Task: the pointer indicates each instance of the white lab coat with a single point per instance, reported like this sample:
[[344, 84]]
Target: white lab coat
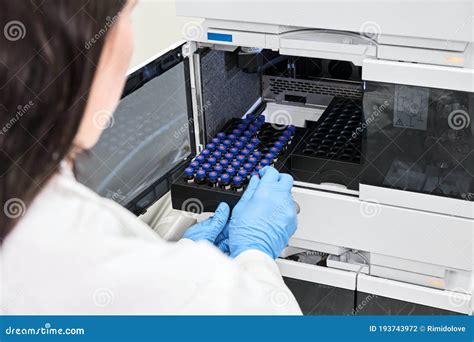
[[74, 252]]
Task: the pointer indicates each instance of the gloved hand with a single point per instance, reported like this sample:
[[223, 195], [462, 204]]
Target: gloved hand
[[209, 229], [222, 241], [267, 218]]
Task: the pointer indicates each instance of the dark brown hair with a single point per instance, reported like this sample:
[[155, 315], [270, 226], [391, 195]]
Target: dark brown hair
[[49, 52]]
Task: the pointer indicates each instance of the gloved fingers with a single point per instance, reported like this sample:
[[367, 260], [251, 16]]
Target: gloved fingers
[[224, 246], [286, 181], [250, 189], [269, 175], [221, 216], [224, 234]]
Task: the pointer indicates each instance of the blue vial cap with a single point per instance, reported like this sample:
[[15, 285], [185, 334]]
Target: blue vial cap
[[269, 156], [250, 146], [205, 152], [221, 135], [200, 159], [254, 173], [216, 154], [242, 173], [274, 150], [241, 126], [287, 133], [232, 137], [260, 118], [194, 164], [264, 162], [234, 150], [229, 156], [215, 141], [240, 158], [248, 167], [224, 163], [257, 154], [230, 170], [236, 131], [189, 171], [212, 175], [221, 148], [291, 128], [225, 178], [255, 141], [245, 152], [247, 120], [243, 139], [252, 128], [237, 180], [252, 160], [247, 134], [235, 164], [238, 144], [278, 145], [212, 160], [227, 142], [258, 167], [218, 168], [210, 146], [206, 166], [200, 174], [282, 138]]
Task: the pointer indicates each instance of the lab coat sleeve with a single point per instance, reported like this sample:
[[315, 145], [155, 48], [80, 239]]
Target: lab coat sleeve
[[195, 278]]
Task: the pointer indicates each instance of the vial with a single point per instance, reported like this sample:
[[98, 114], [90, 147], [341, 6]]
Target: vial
[[237, 184], [238, 144], [254, 173], [224, 163], [234, 150], [264, 162], [241, 126], [240, 158], [232, 137], [248, 134], [221, 148], [255, 142], [257, 155], [243, 140], [221, 135], [210, 146], [229, 156], [216, 141], [236, 131], [212, 160], [212, 176], [200, 178], [218, 168], [206, 167], [252, 128], [270, 157], [248, 167], [260, 118], [258, 168], [224, 182], [278, 145], [250, 146], [245, 152], [252, 160], [205, 153], [194, 164], [274, 151], [230, 170], [188, 174], [217, 154], [227, 143], [200, 159], [235, 164], [243, 173]]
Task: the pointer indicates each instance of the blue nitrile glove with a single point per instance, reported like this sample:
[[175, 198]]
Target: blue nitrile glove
[[222, 241], [267, 220], [209, 229]]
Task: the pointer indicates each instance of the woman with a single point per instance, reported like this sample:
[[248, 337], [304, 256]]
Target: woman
[[65, 250]]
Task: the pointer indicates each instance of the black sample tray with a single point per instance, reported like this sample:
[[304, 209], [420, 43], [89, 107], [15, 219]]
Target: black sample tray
[[191, 197], [331, 150]]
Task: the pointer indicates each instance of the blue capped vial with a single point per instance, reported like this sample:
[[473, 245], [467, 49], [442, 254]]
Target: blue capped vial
[[194, 164], [274, 151], [241, 126], [252, 160], [210, 146], [200, 159], [252, 128], [224, 182], [255, 141], [248, 134], [254, 173], [200, 177], [188, 174], [250, 146], [264, 162], [212, 177], [216, 141], [260, 118], [237, 183], [211, 160], [221, 148], [229, 156], [217, 154], [240, 158], [218, 168], [206, 167], [234, 150], [205, 153], [238, 144], [224, 163], [245, 152], [258, 167], [235, 164], [270, 157], [248, 167], [282, 138], [257, 154], [232, 137], [278, 145], [227, 143], [221, 135], [243, 173], [243, 139], [230, 170], [236, 131], [292, 129]]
